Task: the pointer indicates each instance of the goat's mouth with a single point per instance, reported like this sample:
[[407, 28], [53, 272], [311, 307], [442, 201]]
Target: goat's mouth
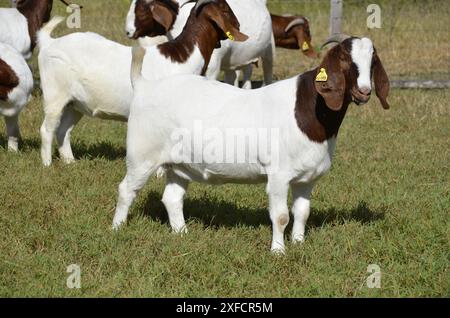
[[360, 99]]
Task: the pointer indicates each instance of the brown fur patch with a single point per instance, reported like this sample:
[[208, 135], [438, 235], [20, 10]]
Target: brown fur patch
[[8, 80], [283, 220], [37, 13], [145, 22], [205, 29], [295, 37]]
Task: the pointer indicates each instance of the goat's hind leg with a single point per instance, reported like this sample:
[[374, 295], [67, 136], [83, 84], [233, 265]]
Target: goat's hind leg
[[301, 195], [137, 176], [69, 119], [173, 201], [13, 132], [53, 113]]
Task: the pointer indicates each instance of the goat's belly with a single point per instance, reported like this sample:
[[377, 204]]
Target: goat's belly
[[222, 173], [109, 114]]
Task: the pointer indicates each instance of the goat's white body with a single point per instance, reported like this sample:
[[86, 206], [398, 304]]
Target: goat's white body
[[154, 118], [255, 21], [93, 73], [14, 31], [19, 96]]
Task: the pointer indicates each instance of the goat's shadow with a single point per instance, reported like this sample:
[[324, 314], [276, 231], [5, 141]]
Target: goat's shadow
[[98, 150], [26, 145], [81, 150], [215, 214]]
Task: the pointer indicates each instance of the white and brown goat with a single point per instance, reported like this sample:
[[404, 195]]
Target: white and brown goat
[[153, 18], [185, 133], [87, 74], [16, 85]]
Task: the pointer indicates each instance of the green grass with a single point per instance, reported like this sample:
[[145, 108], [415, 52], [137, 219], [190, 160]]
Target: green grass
[[386, 201]]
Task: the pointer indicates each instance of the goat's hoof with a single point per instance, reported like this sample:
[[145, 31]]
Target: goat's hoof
[[298, 239], [68, 161], [180, 231], [278, 251], [117, 225]]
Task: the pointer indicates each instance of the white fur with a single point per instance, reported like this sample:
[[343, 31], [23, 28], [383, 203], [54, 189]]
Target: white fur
[[14, 31], [156, 112], [255, 21], [93, 74], [362, 50], [18, 97]]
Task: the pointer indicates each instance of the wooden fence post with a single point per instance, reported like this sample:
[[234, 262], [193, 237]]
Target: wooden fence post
[[336, 17]]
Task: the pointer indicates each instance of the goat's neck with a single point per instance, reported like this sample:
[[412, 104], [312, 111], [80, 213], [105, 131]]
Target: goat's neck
[[201, 34], [37, 13]]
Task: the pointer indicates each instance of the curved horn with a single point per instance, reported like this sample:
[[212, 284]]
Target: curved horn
[[199, 4], [293, 23], [68, 4], [338, 38]]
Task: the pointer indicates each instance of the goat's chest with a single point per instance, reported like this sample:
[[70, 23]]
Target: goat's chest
[[311, 160]]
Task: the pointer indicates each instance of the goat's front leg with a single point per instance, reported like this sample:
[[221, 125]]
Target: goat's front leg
[[277, 189], [13, 132], [231, 77], [69, 119], [267, 62], [173, 201], [247, 77], [301, 194]]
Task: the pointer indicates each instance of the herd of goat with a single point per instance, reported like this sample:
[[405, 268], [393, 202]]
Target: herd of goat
[[167, 83]]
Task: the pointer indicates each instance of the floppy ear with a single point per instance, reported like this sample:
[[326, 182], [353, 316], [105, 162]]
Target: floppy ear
[[330, 84], [163, 15], [381, 80], [227, 28]]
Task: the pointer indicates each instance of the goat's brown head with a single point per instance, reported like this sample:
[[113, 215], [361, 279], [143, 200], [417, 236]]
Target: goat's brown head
[[32, 8], [299, 28], [222, 17], [150, 17], [345, 74]]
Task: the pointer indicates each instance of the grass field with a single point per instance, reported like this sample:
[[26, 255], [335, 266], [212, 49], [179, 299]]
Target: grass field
[[386, 200]]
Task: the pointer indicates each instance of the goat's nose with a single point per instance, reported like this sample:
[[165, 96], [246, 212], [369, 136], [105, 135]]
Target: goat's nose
[[365, 91]]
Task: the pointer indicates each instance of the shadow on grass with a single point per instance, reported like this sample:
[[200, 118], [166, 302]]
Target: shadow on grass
[[216, 214], [26, 145], [81, 150], [99, 150]]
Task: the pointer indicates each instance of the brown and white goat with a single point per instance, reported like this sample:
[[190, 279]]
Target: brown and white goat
[[86, 74], [292, 32], [16, 84], [286, 133], [20, 24]]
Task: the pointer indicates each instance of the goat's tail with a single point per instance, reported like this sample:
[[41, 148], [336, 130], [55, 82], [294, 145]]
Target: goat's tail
[[44, 36], [137, 61]]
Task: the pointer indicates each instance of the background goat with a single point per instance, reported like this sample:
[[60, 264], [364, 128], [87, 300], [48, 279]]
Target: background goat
[[306, 111], [86, 74], [16, 85], [20, 24], [157, 17]]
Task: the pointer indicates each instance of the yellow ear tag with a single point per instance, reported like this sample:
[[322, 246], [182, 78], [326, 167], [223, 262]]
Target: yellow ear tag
[[230, 36], [322, 76], [305, 46]]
